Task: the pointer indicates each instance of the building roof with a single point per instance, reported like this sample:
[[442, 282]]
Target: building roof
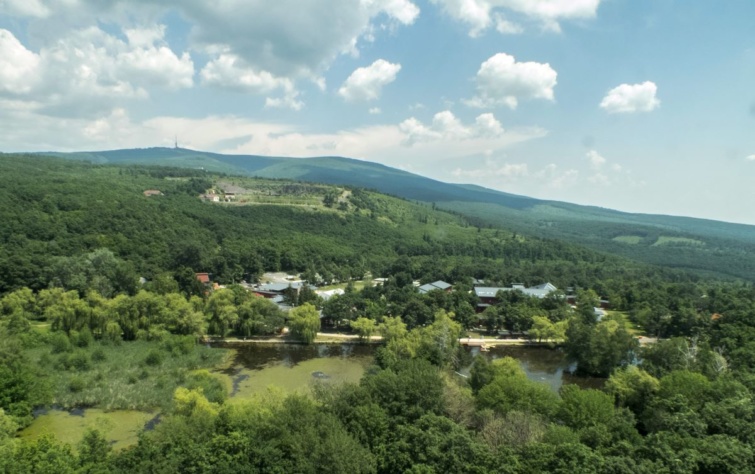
[[203, 277], [436, 285], [539, 291]]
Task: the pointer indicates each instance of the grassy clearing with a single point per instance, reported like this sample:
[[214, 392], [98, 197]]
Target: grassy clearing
[[623, 317], [666, 240], [628, 239], [139, 375]]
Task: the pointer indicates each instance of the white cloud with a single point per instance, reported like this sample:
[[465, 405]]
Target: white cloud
[[228, 71], [487, 125], [750, 158], [402, 10], [479, 15], [288, 101], [375, 111], [287, 38], [630, 98], [596, 160], [503, 81], [366, 83], [446, 125], [290, 38], [565, 179], [505, 27], [18, 65], [89, 70], [599, 179], [494, 170], [24, 8]]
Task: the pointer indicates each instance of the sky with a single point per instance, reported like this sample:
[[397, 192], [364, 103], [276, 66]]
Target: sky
[[637, 105]]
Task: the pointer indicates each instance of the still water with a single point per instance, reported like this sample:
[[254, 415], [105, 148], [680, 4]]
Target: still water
[[544, 365], [254, 368], [293, 367]]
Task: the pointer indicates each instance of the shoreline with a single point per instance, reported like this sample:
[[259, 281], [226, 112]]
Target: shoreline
[[330, 338]]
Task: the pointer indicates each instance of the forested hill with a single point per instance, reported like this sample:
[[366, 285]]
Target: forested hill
[[57, 214], [677, 242]]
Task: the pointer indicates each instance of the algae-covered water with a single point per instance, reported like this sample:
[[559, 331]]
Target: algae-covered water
[[253, 368], [292, 367], [120, 427]]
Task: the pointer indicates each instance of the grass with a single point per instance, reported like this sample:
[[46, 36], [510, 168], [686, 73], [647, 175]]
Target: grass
[[138, 375], [628, 239], [666, 240]]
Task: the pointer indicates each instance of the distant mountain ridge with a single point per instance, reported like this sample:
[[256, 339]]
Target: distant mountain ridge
[[680, 242]]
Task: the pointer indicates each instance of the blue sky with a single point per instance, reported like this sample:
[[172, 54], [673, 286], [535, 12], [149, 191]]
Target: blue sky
[[637, 105]]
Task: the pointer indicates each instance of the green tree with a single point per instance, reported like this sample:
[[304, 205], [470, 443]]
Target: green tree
[[304, 322], [364, 327]]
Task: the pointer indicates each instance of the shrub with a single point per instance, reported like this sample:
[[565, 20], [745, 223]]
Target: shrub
[[154, 358], [76, 384], [60, 343], [98, 355], [84, 338], [80, 361]]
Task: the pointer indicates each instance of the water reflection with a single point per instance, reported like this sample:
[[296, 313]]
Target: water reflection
[[255, 365], [541, 364]]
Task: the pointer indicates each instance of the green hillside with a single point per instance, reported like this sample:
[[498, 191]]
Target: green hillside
[[56, 214], [701, 245]]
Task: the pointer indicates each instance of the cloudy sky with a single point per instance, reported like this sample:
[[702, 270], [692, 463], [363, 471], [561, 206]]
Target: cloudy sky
[[637, 105]]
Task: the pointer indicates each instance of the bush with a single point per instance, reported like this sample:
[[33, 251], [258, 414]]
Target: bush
[[98, 355], [179, 344], [154, 358], [76, 384], [84, 338], [80, 361], [60, 343]]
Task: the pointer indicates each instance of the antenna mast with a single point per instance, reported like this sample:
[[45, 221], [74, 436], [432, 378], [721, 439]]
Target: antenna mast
[[176, 142]]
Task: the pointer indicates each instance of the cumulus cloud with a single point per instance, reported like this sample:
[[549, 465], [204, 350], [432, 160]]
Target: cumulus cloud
[[290, 38], [494, 170], [446, 125], [630, 98], [90, 69], [229, 71], [750, 158], [17, 64], [375, 111], [480, 15], [366, 83], [596, 160], [287, 38], [503, 81]]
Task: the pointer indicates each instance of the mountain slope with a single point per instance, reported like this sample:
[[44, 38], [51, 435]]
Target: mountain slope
[[679, 242]]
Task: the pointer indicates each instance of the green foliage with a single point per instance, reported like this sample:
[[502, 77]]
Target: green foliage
[[598, 348], [364, 327], [154, 358], [304, 322]]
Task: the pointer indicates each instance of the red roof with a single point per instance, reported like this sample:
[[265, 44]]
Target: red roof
[[203, 277]]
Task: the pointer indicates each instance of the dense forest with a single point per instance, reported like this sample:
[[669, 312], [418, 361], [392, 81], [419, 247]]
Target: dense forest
[[704, 246], [100, 307]]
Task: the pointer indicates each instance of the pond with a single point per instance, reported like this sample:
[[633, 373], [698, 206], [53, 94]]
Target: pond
[[120, 427], [254, 368], [293, 367], [542, 364]]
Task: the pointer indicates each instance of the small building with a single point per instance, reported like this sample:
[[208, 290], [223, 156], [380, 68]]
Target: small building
[[152, 192], [203, 278], [436, 285], [488, 294], [212, 197]]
